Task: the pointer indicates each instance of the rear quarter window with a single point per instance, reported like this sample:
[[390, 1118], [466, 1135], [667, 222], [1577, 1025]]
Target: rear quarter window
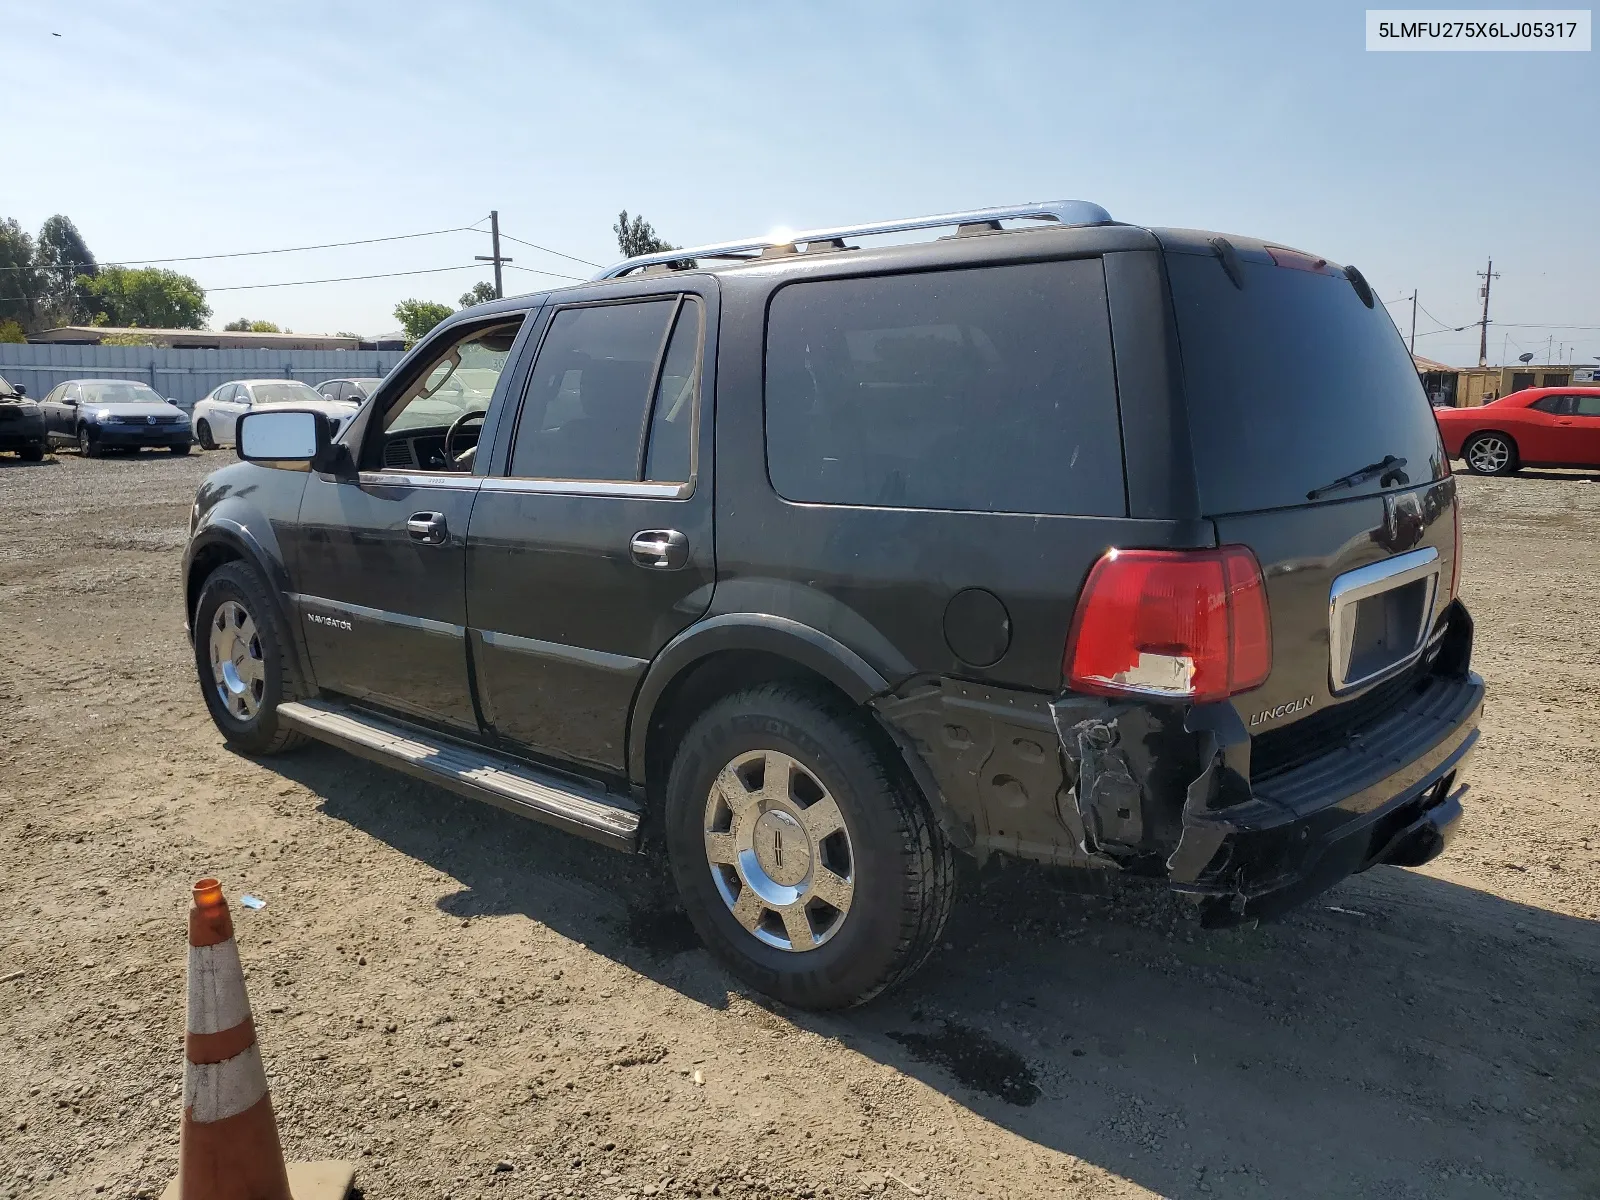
[[988, 389]]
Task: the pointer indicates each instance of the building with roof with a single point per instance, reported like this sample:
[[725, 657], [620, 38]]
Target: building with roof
[[196, 339], [1468, 387]]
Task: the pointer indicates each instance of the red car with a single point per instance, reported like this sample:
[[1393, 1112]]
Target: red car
[[1538, 427]]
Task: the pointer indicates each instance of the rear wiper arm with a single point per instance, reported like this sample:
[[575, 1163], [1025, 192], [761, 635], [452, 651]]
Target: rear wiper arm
[[1390, 468]]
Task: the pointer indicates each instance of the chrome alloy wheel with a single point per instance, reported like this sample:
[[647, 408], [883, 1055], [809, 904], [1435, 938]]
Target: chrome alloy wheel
[[236, 666], [779, 851], [1489, 455]]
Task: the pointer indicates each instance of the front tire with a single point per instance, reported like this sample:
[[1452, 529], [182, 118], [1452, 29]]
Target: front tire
[[203, 432], [179, 450], [1491, 454], [32, 453], [241, 651], [807, 861], [87, 446]]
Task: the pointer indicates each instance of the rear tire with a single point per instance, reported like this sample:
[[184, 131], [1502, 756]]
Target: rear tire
[[241, 652], [822, 889], [203, 432], [1491, 454]]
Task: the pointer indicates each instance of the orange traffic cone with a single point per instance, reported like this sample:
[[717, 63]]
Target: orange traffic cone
[[228, 1148]]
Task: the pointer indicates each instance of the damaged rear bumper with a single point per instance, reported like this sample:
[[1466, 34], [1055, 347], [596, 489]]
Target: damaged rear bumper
[[1392, 796], [1246, 844]]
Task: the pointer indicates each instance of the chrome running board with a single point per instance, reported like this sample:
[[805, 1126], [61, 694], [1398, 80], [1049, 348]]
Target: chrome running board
[[581, 808]]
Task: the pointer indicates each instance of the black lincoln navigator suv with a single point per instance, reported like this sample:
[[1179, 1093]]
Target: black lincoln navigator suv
[[819, 562]]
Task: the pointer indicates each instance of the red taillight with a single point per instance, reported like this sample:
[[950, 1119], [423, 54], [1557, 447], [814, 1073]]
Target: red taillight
[[1186, 624]]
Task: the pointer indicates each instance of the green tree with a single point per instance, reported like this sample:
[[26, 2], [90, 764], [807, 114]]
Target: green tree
[[62, 256], [246, 325], [480, 292], [19, 276], [416, 317], [128, 338], [637, 236], [10, 331], [149, 297]]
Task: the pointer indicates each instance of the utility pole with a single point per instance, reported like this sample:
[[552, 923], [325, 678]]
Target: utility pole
[[1488, 278], [1413, 322], [496, 258]]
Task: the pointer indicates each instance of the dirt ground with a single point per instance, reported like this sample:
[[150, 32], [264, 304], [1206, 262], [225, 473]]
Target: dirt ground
[[470, 1005]]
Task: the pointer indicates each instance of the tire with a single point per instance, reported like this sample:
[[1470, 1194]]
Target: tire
[[1491, 453], [203, 432], [179, 450], [87, 446], [264, 671], [899, 867], [31, 454]]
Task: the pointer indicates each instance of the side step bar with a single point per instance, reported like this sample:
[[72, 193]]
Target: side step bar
[[584, 809]]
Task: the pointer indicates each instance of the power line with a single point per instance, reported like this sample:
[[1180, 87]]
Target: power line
[[245, 287], [547, 250], [145, 262], [535, 271]]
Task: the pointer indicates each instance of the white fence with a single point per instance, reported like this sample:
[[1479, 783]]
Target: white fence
[[183, 375]]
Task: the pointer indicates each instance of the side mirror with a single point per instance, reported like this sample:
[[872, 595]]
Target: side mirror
[[21, 389], [283, 437]]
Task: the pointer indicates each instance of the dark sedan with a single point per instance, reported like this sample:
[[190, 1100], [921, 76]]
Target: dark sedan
[[21, 423], [98, 415]]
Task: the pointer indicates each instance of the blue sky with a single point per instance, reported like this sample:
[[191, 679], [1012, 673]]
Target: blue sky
[[168, 130]]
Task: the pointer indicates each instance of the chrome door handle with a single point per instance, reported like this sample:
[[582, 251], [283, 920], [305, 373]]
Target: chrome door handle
[[429, 528], [660, 549]]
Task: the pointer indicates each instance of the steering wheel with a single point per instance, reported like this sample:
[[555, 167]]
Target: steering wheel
[[455, 429]]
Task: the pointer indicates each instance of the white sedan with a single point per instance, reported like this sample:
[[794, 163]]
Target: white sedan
[[214, 417]]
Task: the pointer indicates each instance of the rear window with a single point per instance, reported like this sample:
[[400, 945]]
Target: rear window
[[1293, 382], [989, 389]]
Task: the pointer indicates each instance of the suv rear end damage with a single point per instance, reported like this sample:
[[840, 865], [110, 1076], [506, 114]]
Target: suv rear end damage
[[1385, 786]]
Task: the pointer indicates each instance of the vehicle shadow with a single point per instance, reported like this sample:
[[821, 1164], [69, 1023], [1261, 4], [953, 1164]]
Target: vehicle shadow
[[11, 462], [1558, 475], [1400, 1036]]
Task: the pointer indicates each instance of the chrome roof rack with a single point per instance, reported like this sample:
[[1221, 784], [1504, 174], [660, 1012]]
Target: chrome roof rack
[[1066, 212]]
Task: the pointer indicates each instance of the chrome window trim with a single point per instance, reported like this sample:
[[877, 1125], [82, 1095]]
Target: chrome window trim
[[1372, 580], [626, 488], [560, 652], [382, 616], [420, 479]]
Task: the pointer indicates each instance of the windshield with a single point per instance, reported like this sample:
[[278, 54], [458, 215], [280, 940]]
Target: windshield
[[1293, 383], [119, 392], [288, 392]]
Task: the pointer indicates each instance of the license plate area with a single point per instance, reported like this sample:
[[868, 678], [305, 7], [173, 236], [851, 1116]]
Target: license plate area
[[1379, 616]]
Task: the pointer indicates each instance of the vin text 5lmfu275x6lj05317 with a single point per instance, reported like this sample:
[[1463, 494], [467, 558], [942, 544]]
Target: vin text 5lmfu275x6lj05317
[[819, 563]]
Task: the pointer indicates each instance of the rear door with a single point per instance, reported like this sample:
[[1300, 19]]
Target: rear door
[[1314, 446], [591, 543]]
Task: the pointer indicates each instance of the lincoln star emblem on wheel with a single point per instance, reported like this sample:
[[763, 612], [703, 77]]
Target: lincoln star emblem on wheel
[[236, 664], [779, 851]]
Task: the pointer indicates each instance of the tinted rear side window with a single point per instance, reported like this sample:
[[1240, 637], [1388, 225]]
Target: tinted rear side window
[[989, 389], [1293, 382]]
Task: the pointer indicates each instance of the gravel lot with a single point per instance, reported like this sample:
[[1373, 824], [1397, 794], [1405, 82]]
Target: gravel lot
[[472, 1006]]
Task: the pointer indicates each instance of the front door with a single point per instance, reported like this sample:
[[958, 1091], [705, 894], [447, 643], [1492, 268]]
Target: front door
[[379, 564], [1585, 429], [591, 541]]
